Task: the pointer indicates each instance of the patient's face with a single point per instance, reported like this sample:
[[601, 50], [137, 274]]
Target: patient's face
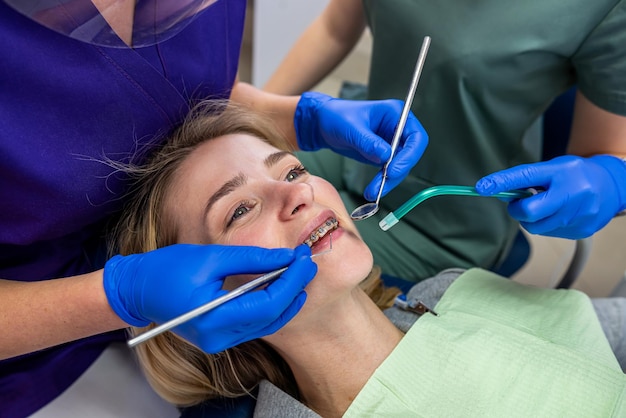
[[239, 190]]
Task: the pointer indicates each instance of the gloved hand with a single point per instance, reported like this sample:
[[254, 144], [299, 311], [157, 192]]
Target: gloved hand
[[159, 285], [581, 194], [361, 130]]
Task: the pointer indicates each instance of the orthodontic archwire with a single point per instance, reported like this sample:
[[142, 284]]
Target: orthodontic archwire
[[245, 288]]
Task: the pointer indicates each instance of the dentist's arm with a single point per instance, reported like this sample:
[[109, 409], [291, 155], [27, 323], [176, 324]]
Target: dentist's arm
[[582, 193], [157, 286], [38, 315]]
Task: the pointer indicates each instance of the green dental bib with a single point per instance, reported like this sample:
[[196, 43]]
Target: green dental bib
[[499, 349]]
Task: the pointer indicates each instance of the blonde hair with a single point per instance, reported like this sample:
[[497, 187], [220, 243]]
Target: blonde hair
[[178, 371]]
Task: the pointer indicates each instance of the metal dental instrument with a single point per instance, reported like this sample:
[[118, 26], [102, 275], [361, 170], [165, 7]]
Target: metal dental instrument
[[392, 218], [368, 209], [244, 288]]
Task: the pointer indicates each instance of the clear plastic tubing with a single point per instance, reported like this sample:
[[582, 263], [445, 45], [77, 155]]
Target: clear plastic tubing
[[394, 217]]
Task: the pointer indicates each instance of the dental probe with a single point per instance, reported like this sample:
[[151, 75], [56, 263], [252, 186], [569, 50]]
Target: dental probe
[[244, 288], [368, 209]]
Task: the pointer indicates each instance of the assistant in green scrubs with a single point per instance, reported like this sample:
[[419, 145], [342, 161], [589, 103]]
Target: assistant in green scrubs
[[492, 69]]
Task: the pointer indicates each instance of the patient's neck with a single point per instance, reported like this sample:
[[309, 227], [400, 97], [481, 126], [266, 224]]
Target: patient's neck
[[337, 354]]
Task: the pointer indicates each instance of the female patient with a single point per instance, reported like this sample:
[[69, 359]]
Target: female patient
[[490, 347]]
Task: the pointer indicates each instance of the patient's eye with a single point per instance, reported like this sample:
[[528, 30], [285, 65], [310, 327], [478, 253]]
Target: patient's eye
[[246, 206], [241, 210], [296, 173]]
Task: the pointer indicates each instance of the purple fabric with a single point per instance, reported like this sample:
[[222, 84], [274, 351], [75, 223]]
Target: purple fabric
[[64, 107]]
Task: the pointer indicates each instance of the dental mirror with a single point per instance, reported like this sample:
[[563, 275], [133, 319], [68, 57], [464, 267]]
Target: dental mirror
[[365, 210], [368, 209]]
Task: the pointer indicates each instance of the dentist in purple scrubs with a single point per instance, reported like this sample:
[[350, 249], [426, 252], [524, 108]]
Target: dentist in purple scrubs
[[82, 82]]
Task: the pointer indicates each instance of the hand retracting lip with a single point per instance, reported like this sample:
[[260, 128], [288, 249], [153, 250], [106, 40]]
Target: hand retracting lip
[[245, 288]]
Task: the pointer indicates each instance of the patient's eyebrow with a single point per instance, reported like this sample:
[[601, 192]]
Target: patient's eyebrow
[[274, 158], [241, 179], [237, 181]]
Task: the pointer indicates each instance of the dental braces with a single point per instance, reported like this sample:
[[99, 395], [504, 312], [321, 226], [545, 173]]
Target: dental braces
[[329, 225]]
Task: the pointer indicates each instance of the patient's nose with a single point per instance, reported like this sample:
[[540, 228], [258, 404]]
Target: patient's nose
[[294, 198]]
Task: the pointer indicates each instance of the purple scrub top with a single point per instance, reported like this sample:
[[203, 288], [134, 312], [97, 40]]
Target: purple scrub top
[[65, 106]]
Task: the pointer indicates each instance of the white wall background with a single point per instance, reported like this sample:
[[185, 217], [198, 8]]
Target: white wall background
[[276, 25]]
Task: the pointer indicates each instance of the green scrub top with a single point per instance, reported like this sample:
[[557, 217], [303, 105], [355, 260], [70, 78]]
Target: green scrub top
[[492, 69]]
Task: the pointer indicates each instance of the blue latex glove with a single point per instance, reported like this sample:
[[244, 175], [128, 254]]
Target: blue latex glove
[[159, 285], [581, 194], [363, 131]]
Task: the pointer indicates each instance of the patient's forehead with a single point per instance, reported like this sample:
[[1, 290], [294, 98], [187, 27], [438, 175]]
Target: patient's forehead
[[241, 145], [214, 162]]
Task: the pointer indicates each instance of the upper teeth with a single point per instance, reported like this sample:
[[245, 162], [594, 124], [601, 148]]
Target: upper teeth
[[317, 234]]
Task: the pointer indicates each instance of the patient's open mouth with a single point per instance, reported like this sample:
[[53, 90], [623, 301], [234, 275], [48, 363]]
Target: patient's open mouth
[[318, 233]]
